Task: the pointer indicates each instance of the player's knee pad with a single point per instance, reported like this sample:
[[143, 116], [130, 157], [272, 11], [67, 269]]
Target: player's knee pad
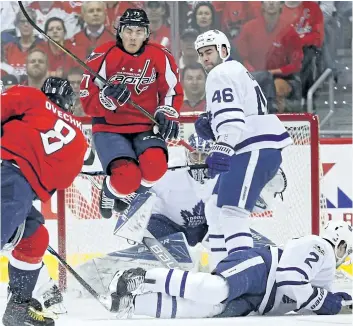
[[125, 176], [153, 164], [31, 250]]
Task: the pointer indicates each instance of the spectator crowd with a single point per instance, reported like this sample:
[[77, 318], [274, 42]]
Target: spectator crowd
[[281, 43]]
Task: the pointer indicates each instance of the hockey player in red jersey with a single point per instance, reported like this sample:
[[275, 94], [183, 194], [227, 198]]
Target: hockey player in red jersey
[[133, 156], [42, 150]]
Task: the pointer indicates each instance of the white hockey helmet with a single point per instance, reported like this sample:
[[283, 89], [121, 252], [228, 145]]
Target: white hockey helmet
[[213, 37], [339, 233]]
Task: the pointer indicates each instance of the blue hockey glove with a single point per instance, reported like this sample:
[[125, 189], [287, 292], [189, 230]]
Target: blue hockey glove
[[218, 160], [203, 127], [333, 303], [119, 92], [169, 129]]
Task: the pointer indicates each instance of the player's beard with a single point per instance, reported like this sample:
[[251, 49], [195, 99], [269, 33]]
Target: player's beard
[[213, 65]]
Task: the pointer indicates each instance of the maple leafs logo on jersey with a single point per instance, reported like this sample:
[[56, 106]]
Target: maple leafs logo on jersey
[[196, 217]]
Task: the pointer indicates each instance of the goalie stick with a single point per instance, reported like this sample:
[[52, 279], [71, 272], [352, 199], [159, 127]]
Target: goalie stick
[[94, 73], [105, 301]]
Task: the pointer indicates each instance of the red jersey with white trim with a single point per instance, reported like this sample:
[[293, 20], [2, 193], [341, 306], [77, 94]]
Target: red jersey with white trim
[[46, 142], [152, 77]]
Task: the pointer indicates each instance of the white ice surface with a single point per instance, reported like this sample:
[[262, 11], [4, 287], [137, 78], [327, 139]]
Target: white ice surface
[[88, 312]]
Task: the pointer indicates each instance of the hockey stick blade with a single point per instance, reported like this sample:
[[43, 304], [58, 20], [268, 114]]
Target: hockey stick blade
[[159, 251], [94, 73], [173, 168], [105, 301]]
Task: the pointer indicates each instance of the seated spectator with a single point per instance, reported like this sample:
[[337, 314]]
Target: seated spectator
[[189, 55], [37, 68], [204, 17], [194, 81], [59, 9], [234, 14], [274, 47], [307, 19], [8, 81], [15, 52], [115, 9], [59, 63], [74, 76], [94, 32], [157, 14], [9, 10]]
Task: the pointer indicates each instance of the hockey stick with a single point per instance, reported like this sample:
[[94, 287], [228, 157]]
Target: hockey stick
[[105, 301], [173, 168], [159, 251], [94, 73]]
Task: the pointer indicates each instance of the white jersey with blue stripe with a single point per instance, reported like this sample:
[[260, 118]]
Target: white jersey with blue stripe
[[302, 277], [237, 110]]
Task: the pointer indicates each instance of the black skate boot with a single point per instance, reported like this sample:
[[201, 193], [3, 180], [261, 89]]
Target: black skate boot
[[49, 298], [106, 204], [23, 314], [122, 305], [126, 282], [123, 203]]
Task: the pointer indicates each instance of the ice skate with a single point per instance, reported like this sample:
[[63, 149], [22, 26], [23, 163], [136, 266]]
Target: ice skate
[[49, 298], [106, 205], [23, 314], [127, 282]]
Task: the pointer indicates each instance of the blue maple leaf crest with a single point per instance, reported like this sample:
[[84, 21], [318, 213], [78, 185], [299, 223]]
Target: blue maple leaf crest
[[196, 217]]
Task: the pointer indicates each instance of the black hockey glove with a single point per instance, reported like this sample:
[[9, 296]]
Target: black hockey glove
[[169, 129], [119, 92]]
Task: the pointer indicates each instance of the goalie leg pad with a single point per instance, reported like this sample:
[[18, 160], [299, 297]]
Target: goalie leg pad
[[125, 176], [153, 164]]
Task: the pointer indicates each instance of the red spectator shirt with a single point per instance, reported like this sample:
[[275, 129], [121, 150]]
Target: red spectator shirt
[[308, 21], [60, 9], [152, 77], [46, 142], [236, 12], [85, 44], [59, 63], [263, 50], [161, 36], [198, 107], [114, 13], [16, 57]]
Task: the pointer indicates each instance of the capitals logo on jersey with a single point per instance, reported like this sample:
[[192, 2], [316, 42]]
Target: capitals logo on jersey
[[196, 217], [137, 78]]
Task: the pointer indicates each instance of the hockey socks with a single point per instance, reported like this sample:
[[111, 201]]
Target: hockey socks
[[161, 305], [235, 224], [200, 287]]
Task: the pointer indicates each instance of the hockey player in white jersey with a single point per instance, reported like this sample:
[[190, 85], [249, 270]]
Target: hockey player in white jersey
[[247, 152], [265, 280], [181, 196]]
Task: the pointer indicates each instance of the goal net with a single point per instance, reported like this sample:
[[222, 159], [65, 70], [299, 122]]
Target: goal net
[[83, 234]]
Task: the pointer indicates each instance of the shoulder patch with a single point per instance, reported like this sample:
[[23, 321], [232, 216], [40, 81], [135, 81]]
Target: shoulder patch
[[94, 56], [319, 250]]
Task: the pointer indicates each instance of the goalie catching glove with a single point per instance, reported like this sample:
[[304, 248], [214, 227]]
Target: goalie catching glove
[[110, 94], [218, 160], [168, 128]]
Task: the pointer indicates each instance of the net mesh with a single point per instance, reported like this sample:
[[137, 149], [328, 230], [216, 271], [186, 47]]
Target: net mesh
[[279, 221]]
